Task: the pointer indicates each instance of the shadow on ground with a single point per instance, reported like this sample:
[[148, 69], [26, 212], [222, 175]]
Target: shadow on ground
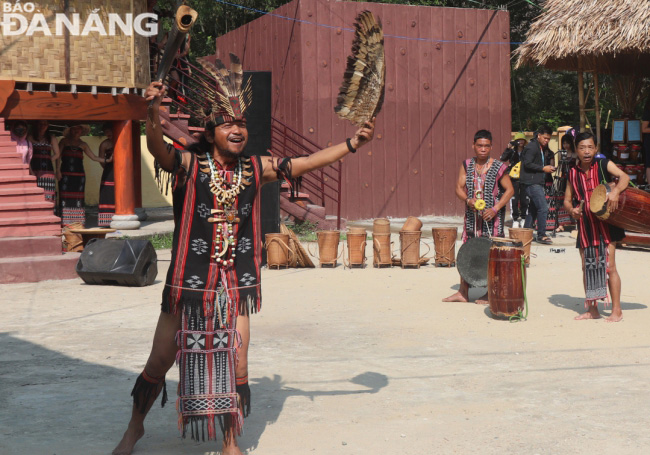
[[67, 405], [578, 303], [271, 394]]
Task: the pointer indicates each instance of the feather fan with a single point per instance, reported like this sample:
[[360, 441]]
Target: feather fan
[[362, 91]]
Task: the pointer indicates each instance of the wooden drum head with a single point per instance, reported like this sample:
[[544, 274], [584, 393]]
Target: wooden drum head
[[598, 202], [506, 242]]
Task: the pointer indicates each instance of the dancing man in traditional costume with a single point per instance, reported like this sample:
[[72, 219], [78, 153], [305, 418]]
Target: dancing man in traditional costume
[[596, 239], [485, 187], [213, 283]]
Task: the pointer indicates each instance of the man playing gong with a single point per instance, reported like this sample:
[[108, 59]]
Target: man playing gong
[[596, 239], [485, 188], [213, 282]]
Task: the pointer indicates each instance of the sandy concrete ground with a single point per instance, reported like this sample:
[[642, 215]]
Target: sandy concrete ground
[[362, 361]]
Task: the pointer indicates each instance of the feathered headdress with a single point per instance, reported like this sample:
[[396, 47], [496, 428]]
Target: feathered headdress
[[362, 91], [230, 101]]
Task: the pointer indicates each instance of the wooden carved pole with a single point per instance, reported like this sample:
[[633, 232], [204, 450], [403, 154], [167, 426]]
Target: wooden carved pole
[[125, 217], [137, 171]]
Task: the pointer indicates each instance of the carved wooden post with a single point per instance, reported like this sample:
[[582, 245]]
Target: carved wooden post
[[137, 171], [125, 217]]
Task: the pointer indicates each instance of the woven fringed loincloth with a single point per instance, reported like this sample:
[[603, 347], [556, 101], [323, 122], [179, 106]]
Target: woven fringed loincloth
[[596, 262], [207, 359]]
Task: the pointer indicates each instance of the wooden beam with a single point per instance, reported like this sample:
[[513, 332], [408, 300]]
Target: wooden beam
[[6, 89], [85, 107]]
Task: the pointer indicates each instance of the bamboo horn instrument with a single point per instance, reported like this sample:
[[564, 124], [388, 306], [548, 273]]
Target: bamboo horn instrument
[[183, 21]]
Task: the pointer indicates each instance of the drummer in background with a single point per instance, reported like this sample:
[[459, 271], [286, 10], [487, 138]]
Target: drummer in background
[[596, 239], [485, 188]]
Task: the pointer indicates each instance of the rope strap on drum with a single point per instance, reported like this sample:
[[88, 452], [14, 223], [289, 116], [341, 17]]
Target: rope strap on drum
[[521, 316]]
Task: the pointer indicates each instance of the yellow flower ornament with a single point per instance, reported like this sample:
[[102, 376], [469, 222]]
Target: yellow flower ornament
[[479, 204]]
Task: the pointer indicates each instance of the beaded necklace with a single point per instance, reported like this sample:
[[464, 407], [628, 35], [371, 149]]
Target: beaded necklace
[[226, 195]]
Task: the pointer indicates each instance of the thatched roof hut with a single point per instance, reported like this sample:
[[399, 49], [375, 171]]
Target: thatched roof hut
[[602, 36]]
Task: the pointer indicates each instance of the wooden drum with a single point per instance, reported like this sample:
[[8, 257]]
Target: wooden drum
[[633, 212], [525, 236], [505, 284], [444, 240]]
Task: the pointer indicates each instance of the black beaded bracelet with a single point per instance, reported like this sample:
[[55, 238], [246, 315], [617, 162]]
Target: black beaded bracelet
[[349, 144]]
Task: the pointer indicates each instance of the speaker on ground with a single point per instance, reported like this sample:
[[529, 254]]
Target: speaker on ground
[[127, 262]]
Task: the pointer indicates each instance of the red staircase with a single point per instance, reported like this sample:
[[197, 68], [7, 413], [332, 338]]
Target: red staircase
[[30, 234], [318, 187]]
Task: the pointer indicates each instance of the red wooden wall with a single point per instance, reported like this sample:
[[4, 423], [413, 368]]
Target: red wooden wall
[[441, 87]]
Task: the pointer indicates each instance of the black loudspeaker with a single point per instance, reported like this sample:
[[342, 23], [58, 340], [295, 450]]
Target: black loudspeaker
[[259, 142], [127, 262]]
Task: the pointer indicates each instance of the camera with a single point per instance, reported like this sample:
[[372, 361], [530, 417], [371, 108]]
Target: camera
[[564, 155], [513, 144]]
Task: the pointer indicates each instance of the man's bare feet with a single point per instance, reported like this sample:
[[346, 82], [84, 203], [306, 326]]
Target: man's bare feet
[[457, 297], [616, 316], [483, 300], [592, 313], [131, 436]]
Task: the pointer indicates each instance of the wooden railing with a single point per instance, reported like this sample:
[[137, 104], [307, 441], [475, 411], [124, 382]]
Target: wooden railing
[[323, 184]]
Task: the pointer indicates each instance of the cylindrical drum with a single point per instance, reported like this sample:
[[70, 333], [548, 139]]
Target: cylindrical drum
[[381, 226], [410, 248], [505, 277], [328, 247], [444, 241], [525, 236], [277, 250], [381, 250], [412, 224], [356, 248], [632, 213]]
